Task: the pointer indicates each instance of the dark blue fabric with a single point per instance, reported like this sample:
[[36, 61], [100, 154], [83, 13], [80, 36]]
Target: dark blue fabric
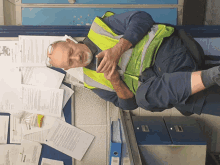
[[168, 82], [137, 23]]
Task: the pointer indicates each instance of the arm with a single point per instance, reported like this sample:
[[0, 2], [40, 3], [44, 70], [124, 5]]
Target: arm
[[196, 82], [133, 26], [124, 104]]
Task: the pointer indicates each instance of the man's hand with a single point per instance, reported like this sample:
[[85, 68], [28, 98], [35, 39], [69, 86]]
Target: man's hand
[[109, 61], [112, 75], [111, 56], [119, 86]]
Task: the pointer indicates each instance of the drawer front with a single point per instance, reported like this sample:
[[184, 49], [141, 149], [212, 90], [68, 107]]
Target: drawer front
[[184, 131], [150, 130]]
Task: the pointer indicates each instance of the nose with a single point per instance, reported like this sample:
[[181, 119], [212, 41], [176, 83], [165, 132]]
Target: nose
[[76, 57]]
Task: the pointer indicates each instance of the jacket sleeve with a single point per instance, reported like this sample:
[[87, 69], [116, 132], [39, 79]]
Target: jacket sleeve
[[124, 104], [159, 93], [132, 25]]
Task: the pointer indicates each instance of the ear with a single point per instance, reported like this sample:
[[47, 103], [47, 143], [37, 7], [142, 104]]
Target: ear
[[68, 40]]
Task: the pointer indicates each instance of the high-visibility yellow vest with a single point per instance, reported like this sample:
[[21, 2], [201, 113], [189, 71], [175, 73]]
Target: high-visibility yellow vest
[[133, 62]]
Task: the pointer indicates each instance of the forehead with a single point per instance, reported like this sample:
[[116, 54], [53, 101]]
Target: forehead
[[58, 56]]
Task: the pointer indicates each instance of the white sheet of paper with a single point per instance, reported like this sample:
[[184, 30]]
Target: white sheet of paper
[[15, 130], [9, 154], [68, 92], [8, 54], [46, 161], [68, 139], [10, 87], [40, 100], [39, 137], [29, 153], [33, 49], [47, 124], [4, 128], [41, 76]]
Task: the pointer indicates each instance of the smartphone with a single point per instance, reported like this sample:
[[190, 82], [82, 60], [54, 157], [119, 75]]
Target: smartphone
[[98, 61]]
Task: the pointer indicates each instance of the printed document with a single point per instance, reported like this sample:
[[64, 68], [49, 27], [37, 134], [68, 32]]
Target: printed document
[[48, 122], [9, 154], [4, 129], [33, 49], [29, 153], [46, 161], [8, 54], [68, 139], [68, 92], [39, 137], [40, 100], [41, 76], [15, 130], [10, 87]]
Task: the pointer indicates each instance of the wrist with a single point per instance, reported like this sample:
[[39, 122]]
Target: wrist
[[122, 46], [115, 81]]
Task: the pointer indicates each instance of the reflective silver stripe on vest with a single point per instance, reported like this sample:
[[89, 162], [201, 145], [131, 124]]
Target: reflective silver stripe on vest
[[94, 83], [125, 57], [151, 37], [99, 30]]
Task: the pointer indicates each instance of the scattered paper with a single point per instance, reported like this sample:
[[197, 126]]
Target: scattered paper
[[10, 86], [4, 129], [9, 154], [39, 137], [40, 100], [41, 76], [15, 130], [29, 153], [8, 54], [68, 139], [33, 49], [46, 161], [48, 122], [68, 92]]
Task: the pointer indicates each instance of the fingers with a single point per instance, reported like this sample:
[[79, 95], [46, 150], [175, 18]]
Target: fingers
[[100, 67]]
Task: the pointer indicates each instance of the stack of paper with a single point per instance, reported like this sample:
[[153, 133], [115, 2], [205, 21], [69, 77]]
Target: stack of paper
[[28, 87], [28, 153]]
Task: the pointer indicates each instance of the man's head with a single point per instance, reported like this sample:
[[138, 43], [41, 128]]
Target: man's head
[[67, 54]]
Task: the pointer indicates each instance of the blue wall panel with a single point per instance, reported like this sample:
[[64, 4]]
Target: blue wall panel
[[82, 16], [104, 1]]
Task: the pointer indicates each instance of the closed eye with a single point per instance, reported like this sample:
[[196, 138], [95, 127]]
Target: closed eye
[[70, 54]]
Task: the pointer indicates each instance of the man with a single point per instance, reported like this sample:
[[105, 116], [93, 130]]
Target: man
[[156, 71]]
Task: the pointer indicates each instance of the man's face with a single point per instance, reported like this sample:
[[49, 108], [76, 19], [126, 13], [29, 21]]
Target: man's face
[[69, 55]]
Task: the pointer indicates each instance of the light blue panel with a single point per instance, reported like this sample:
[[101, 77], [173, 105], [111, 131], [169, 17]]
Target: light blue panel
[[105, 2], [81, 16]]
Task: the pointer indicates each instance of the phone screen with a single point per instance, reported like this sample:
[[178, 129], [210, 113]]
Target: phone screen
[[98, 61]]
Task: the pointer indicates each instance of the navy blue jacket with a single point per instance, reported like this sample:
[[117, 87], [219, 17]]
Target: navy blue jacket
[[168, 82]]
